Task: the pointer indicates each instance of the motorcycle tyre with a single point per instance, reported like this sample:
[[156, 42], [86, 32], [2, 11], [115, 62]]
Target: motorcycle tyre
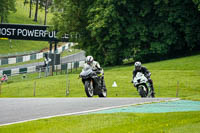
[[87, 86], [153, 95], [103, 93], [142, 92]]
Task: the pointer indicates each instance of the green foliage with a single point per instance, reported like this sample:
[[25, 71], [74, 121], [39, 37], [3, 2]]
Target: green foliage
[[145, 30], [17, 46], [197, 2], [6, 6]]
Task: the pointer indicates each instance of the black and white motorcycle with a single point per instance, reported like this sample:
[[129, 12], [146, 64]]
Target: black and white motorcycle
[[92, 82], [142, 85]]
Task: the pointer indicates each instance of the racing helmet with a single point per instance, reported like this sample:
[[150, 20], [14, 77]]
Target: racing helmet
[[138, 65], [89, 59]]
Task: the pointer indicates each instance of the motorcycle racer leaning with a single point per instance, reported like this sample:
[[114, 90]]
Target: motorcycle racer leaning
[[147, 74], [96, 67]]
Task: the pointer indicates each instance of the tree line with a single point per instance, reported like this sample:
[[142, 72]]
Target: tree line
[[7, 6], [112, 30], [146, 30], [42, 4]]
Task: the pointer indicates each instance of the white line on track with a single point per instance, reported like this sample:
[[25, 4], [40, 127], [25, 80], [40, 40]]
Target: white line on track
[[85, 112]]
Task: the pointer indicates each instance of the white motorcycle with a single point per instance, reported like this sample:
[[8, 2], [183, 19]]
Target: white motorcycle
[[142, 85]]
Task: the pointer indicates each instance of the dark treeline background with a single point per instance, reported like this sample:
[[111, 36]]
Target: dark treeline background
[[145, 30], [6, 6]]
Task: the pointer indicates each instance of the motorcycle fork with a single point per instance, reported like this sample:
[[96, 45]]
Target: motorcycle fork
[[97, 81], [92, 84]]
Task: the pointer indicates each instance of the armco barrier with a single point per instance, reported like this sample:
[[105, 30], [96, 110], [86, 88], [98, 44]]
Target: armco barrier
[[15, 71], [4, 61], [17, 59], [33, 57], [26, 58], [11, 60], [33, 69], [1, 72], [7, 72], [39, 55]]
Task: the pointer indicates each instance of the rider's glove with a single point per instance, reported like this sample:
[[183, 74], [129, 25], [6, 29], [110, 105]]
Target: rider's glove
[[147, 76]]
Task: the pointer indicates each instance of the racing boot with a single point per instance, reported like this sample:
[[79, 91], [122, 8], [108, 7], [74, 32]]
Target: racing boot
[[152, 88]]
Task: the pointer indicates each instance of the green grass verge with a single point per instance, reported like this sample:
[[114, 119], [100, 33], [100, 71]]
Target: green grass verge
[[19, 46], [165, 74], [67, 52], [179, 122], [181, 73]]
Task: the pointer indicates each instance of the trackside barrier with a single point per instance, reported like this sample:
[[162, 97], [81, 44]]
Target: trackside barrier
[[12, 59], [62, 67], [34, 87]]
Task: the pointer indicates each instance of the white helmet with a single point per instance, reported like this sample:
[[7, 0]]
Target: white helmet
[[138, 64], [89, 59]]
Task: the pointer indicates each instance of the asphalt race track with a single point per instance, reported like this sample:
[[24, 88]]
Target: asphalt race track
[[17, 110]]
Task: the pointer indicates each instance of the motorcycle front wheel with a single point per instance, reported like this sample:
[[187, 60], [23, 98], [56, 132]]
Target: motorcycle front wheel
[[103, 93], [89, 88], [142, 91]]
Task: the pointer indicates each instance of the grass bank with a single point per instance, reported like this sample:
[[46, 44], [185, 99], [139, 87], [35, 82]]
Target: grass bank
[[168, 76], [181, 122]]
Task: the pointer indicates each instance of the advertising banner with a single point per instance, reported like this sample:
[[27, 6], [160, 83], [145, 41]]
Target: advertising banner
[[29, 32]]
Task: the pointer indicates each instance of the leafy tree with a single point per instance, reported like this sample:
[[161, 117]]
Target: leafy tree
[[6, 6], [70, 16], [45, 4], [25, 2], [197, 2], [146, 30]]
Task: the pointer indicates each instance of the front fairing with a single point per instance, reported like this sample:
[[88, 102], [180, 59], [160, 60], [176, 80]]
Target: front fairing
[[140, 79]]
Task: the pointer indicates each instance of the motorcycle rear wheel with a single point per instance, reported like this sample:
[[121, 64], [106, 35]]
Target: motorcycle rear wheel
[[89, 88]]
